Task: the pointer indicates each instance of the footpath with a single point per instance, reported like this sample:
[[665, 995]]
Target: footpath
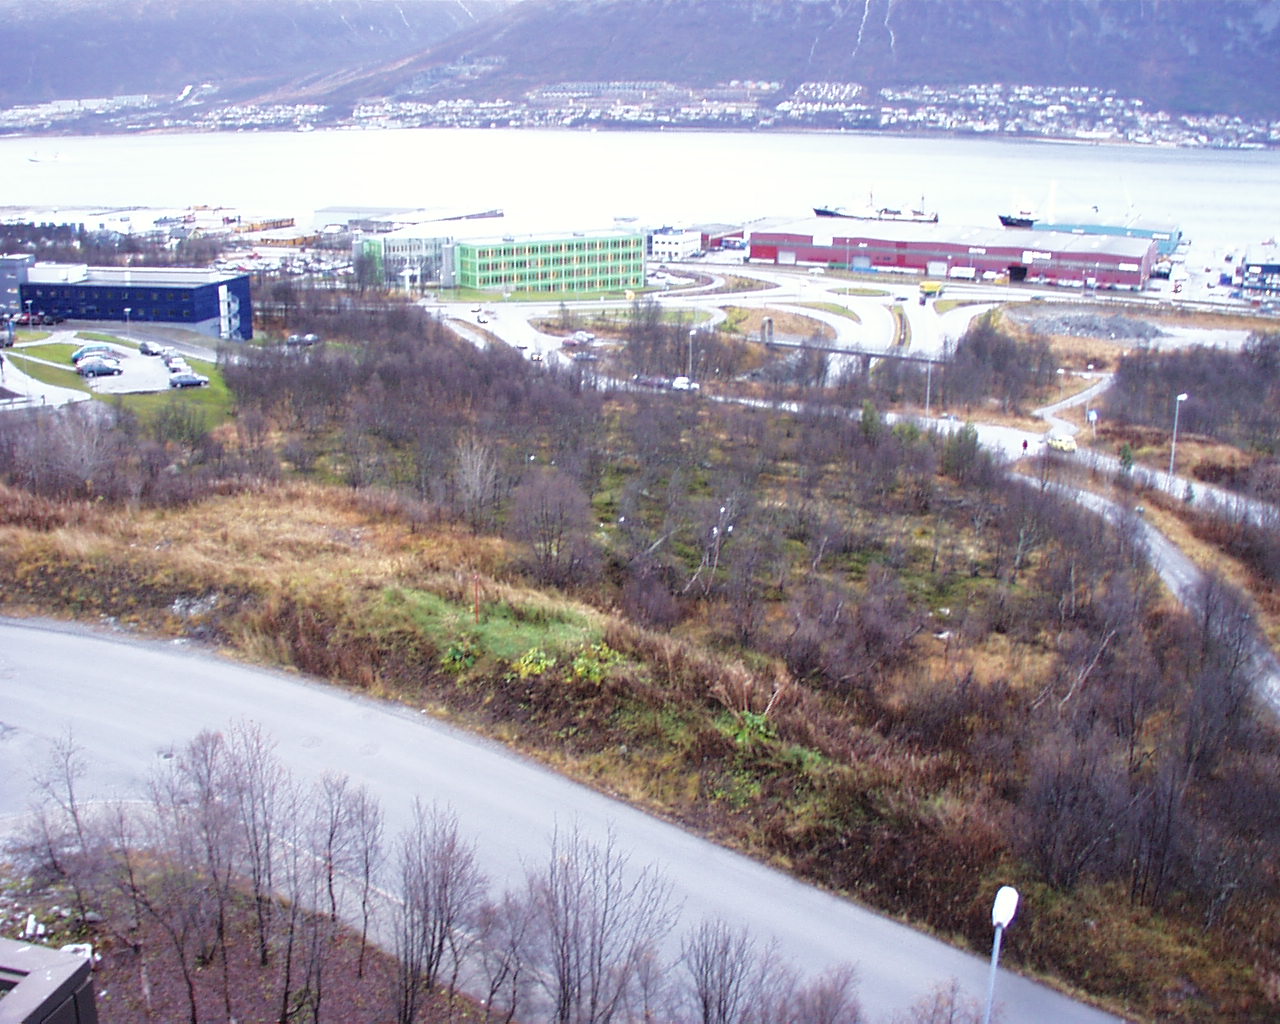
[[19, 391]]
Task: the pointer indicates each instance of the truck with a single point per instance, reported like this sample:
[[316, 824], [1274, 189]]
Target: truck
[[929, 290]]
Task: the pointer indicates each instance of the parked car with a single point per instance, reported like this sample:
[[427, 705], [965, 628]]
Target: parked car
[[187, 379], [150, 348], [96, 350], [98, 368], [179, 366]]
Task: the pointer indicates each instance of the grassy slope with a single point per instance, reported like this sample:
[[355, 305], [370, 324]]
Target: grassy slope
[[342, 586]]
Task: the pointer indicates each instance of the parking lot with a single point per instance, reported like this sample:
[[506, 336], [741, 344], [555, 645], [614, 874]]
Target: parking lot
[[139, 373]]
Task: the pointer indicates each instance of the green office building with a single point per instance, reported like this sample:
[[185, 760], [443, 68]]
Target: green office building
[[575, 261]]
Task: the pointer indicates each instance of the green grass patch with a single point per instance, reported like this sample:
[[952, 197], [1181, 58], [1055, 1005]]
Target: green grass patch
[[505, 631], [853, 289], [734, 283], [831, 307], [903, 333], [53, 352], [103, 336], [215, 401], [63, 377], [945, 305]]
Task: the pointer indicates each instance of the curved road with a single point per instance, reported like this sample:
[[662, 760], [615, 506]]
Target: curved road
[[127, 700]]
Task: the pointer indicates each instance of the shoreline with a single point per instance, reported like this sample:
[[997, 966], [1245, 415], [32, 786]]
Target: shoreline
[[648, 128]]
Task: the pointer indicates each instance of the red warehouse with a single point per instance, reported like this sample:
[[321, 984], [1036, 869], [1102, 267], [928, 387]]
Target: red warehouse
[[1038, 257]]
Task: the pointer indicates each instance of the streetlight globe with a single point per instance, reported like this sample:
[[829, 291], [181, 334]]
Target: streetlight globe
[[1002, 911], [1004, 907]]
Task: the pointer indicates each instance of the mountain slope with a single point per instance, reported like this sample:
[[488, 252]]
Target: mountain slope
[[1179, 54], [66, 49], [1184, 56]]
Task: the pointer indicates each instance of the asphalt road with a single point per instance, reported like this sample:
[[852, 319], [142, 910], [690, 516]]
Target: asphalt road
[[127, 701]]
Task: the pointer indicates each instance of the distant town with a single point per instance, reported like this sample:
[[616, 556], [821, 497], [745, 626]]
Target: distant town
[[1077, 113]]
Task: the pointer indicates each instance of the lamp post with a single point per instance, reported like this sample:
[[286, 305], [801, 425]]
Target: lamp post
[[127, 332], [1002, 911], [29, 301], [1173, 448], [689, 369]]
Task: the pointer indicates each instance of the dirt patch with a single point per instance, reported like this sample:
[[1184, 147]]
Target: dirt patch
[[749, 322]]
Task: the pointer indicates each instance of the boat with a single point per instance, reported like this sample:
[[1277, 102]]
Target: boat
[[915, 215], [1021, 219]]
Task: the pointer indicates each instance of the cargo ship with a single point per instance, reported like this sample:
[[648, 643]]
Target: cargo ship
[[914, 215], [1021, 219]]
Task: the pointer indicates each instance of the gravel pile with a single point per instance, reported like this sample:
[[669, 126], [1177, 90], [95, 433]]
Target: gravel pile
[[1096, 325]]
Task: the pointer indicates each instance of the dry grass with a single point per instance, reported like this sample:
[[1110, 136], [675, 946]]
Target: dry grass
[[750, 321], [350, 587]]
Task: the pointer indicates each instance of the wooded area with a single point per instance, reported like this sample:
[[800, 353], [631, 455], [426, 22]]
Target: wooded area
[[857, 646]]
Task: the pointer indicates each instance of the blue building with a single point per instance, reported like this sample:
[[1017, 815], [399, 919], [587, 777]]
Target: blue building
[[1166, 236], [210, 302]]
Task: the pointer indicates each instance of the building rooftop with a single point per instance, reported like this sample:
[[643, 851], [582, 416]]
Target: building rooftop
[[833, 231], [534, 235], [1262, 255], [79, 273]]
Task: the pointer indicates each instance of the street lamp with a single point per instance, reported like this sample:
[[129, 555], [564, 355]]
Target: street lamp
[[127, 311], [689, 370], [1002, 911], [29, 301], [1173, 448]]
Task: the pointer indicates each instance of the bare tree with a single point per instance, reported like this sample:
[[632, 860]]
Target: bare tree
[[259, 779], [1222, 677], [552, 515], [504, 936], [597, 922], [367, 821], [1073, 805], [199, 783], [441, 889], [165, 864], [723, 972], [68, 844], [301, 881], [475, 480], [945, 1004], [829, 998]]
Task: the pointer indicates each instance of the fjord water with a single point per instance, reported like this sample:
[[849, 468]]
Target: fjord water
[[1223, 198]]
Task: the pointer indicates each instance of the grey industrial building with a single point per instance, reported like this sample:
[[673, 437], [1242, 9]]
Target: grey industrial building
[[1260, 272]]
